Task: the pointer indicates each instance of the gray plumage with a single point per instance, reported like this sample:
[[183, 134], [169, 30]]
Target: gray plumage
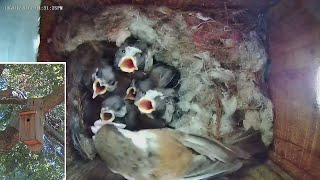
[[103, 80], [116, 104], [127, 113], [161, 76], [165, 103], [137, 50]]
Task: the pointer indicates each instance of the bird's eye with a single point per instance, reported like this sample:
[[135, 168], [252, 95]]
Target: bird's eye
[[123, 51], [98, 73], [112, 83]]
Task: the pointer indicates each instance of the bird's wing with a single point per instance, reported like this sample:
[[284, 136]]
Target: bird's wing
[[203, 168], [213, 149]]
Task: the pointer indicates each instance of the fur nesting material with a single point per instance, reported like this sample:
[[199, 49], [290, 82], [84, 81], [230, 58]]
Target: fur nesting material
[[252, 119], [221, 74], [229, 106], [253, 56], [142, 30], [120, 36]]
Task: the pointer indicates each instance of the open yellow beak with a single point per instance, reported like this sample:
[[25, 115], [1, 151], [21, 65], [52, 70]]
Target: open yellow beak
[[128, 64], [107, 116], [98, 89], [146, 105], [131, 93]]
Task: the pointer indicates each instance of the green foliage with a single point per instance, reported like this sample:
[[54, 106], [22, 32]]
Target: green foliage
[[19, 162], [55, 118], [36, 79], [5, 113]]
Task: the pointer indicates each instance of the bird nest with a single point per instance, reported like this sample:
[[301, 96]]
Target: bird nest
[[222, 61]]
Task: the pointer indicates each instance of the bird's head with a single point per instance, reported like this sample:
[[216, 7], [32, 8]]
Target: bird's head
[[128, 58], [112, 107], [148, 102], [107, 114], [103, 81]]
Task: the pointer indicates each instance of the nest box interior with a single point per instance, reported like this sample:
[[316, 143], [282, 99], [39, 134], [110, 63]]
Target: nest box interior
[[294, 80]]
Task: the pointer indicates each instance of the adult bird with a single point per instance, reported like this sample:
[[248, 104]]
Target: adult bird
[[164, 154]]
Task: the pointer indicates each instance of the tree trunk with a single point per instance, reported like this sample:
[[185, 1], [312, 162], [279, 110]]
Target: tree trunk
[[10, 136], [1, 68], [53, 133]]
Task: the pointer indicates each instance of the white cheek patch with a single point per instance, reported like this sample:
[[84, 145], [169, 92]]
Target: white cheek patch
[[132, 51], [122, 112], [140, 139]]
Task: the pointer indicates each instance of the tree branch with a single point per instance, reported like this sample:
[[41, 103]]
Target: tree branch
[[10, 136], [53, 99], [55, 142], [7, 92], [52, 132], [13, 100], [50, 101], [2, 66]]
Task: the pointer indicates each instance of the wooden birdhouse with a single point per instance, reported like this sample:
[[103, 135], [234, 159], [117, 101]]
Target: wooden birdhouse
[[31, 125]]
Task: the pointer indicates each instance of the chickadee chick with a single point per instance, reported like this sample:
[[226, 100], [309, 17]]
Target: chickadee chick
[[112, 107], [118, 110], [92, 66], [161, 76], [157, 104], [104, 81], [164, 154], [131, 57]]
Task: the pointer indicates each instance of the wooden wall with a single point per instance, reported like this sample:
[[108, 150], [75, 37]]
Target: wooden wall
[[295, 60]]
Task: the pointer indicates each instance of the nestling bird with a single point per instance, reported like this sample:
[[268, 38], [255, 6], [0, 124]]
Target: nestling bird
[[164, 154], [93, 66], [116, 109], [112, 107], [161, 76], [134, 55], [157, 104], [104, 80]]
